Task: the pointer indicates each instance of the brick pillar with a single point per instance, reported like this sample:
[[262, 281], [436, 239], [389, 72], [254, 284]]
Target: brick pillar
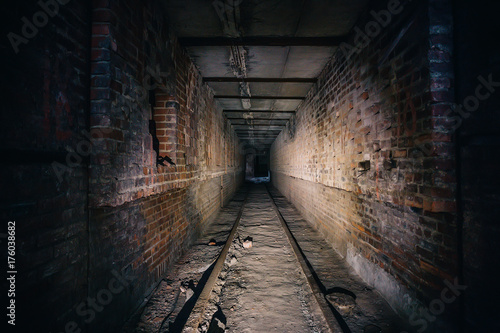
[[165, 117]]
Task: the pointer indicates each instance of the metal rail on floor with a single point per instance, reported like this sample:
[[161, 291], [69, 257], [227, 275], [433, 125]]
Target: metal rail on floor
[[335, 323], [196, 316]]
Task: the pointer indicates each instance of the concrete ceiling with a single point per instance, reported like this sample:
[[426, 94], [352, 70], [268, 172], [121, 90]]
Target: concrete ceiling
[[261, 57]]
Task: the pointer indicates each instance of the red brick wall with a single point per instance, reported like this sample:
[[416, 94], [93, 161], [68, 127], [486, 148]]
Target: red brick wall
[[185, 111], [79, 174], [145, 215], [369, 157]]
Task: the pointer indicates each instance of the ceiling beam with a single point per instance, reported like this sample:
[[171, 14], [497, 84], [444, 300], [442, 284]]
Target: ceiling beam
[[258, 146], [257, 143], [246, 127], [258, 124], [269, 119], [249, 129], [260, 111], [262, 41], [259, 97], [258, 137], [258, 134], [261, 79], [239, 121]]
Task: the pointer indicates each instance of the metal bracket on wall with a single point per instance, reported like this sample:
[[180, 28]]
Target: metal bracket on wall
[[160, 160]]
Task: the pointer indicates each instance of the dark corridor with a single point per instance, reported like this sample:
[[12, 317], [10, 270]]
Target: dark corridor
[[189, 165]]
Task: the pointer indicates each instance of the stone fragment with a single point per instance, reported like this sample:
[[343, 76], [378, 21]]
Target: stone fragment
[[216, 326], [189, 294], [248, 243], [342, 302]]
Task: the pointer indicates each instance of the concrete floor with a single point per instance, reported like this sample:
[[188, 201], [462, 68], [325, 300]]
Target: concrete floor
[[262, 288], [362, 308]]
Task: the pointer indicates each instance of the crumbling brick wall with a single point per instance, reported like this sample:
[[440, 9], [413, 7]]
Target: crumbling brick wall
[[144, 215], [369, 157], [98, 219]]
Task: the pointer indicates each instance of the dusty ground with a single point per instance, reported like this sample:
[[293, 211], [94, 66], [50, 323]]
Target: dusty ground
[[171, 298], [262, 288], [362, 308]]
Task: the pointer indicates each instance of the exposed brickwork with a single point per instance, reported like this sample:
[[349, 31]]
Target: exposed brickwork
[[185, 111], [369, 158], [145, 215], [142, 239], [75, 126]]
